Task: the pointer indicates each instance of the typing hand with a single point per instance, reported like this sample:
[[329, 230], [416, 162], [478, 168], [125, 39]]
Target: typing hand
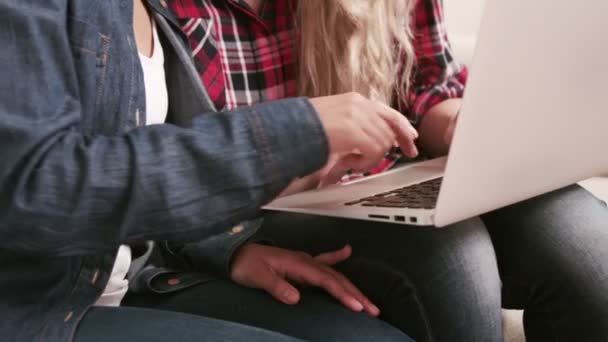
[[275, 270], [360, 131]]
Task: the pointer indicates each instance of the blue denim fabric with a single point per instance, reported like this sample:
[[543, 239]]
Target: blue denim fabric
[[546, 255], [80, 175], [317, 317], [125, 324]]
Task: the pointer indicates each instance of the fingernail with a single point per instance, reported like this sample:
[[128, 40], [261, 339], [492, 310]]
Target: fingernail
[[375, 310], [356, 305], [415, 132], [291, 296]]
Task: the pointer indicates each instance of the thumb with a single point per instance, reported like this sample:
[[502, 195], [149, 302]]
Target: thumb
[[335, 257], [358, 162], [278, 287], [334, 174]]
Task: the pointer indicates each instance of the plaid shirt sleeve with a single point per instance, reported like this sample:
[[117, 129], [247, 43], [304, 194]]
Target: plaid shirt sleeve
[[437, 76]]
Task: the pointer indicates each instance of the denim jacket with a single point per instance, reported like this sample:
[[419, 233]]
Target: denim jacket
[[80, 174]]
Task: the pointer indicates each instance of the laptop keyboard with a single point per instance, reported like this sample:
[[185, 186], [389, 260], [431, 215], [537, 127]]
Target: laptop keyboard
[[418, 196]]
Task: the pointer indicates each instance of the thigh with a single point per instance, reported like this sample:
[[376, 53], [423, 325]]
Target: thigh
[[316, 318], [124, 324], [552, 253], [428, 282]]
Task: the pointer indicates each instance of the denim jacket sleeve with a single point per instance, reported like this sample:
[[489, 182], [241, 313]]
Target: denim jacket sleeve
[[65, 193]]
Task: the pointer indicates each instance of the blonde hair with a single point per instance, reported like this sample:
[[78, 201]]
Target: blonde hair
[[355, 45]]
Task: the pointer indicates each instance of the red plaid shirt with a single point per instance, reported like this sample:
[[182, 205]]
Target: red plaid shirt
[[244, 58]]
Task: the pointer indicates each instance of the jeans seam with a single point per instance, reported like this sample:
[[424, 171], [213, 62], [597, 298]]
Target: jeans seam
[[422, 309]]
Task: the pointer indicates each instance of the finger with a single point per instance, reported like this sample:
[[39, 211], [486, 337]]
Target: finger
[[334, 175], [276, 286], [382, 131], [335, 257], [404, 132], [368, 306], [308, 272], [361, 162], [375, 148], [367, 155], [381, 141]]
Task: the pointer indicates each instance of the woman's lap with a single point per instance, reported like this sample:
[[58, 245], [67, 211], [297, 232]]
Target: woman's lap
[[420, 277], [316, 318], [552, 252], [129, 324], [448, 278], [433, 284]]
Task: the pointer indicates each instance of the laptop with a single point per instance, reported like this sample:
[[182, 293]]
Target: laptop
[[534, 119]]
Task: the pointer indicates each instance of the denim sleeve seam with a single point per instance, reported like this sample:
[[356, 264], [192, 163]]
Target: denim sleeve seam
[[261, 140], [315, 121]]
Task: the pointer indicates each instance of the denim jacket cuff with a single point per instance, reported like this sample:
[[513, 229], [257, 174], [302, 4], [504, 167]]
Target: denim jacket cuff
[[215, 253]]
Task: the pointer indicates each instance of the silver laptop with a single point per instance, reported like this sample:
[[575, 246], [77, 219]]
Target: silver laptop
[[534, 119]]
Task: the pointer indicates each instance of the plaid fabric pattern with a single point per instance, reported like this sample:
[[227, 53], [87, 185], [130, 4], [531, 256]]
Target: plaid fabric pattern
[[245, 58], [242, 58], [438, 75]]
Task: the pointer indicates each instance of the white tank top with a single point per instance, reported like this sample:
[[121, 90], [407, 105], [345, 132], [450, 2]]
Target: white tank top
[[157, 103]]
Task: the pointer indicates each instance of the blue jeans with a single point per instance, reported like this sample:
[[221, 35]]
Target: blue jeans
[[239, 314], [126, 324], [547, 255]]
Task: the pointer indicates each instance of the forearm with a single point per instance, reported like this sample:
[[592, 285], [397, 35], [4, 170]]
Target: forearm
[[77, 194], [434, 125]]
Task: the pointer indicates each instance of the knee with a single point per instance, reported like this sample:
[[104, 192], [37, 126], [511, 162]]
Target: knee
[[466, 259]]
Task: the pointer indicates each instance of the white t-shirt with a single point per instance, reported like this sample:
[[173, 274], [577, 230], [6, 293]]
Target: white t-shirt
[[157, 103]]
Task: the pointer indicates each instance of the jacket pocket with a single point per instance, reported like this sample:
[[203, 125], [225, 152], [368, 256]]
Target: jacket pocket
[[90, 50]]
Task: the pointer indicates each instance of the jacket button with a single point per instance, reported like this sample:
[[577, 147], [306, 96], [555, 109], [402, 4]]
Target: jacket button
[[68, 316], [236, 230], [173, 281]]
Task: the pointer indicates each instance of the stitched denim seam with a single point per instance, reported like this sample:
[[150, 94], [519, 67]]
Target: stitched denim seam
[[262, 141], [421, 308], [102, 62]]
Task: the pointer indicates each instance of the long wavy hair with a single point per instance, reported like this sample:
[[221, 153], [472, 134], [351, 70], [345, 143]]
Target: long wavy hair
[[355, 45]]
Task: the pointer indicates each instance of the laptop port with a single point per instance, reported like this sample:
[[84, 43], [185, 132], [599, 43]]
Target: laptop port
[[382, 217], [400, 218], [413, 220]]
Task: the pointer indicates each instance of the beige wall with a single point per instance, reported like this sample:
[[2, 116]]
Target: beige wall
[[463, 18]]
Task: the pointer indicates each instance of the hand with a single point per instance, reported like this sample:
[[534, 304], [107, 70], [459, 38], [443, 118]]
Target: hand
[[272, 269], [437, 127], [361, 131]]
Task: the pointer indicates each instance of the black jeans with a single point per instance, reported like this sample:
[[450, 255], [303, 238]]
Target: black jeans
[[548, 255], [185, 316]]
